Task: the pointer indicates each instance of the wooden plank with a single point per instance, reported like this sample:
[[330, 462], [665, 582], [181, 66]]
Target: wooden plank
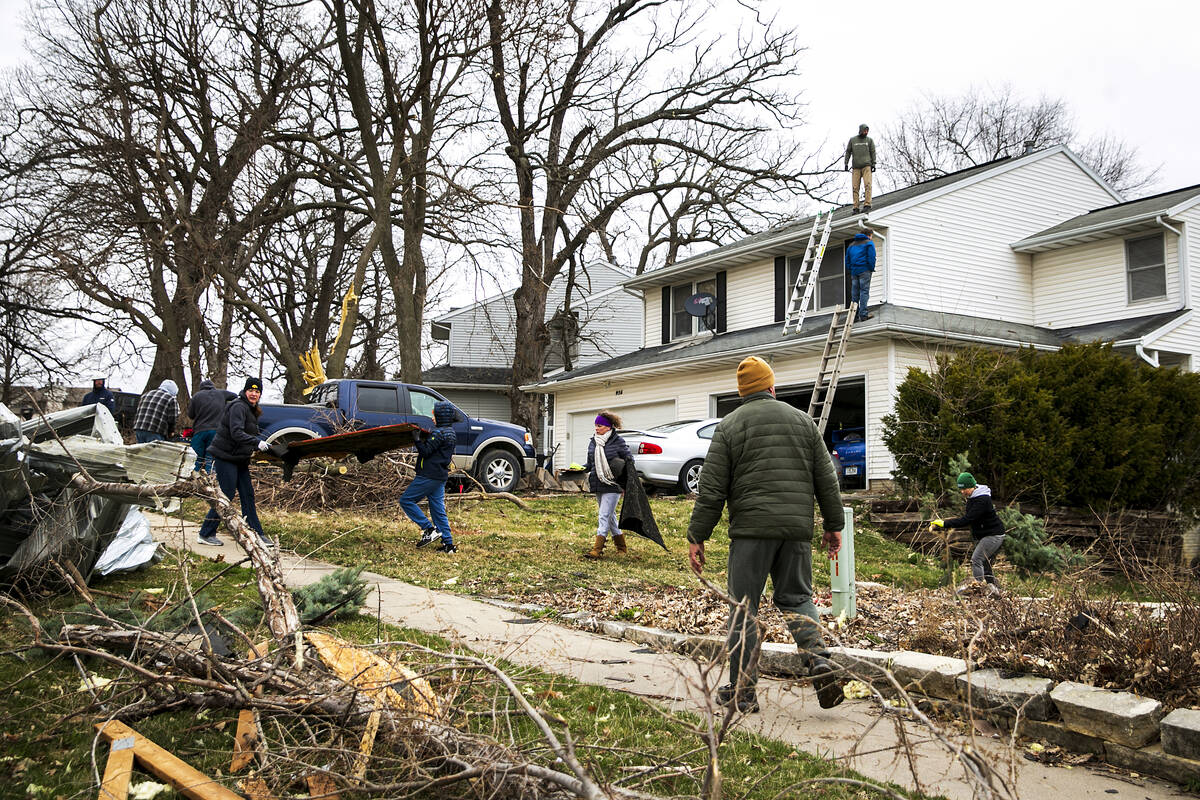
[[187, 780], [256, 789], [321, 786], [117, 772], [245, 741], [245, 738]]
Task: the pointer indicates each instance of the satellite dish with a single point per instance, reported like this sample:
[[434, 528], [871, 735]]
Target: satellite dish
[[704, 306]]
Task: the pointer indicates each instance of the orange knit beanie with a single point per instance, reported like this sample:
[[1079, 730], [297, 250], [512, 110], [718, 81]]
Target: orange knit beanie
[[753, 375]]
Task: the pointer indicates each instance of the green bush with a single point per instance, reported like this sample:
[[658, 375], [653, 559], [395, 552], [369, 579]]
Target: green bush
[[1082, 426], [1026, 547]]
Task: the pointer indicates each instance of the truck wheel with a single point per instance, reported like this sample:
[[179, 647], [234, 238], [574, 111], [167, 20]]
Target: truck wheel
[[689, 476], [499, 471]]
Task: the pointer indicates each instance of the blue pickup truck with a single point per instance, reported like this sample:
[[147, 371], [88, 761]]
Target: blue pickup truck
[[498, 453]]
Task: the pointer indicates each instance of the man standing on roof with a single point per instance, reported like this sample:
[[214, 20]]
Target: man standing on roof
[[862, 149], [860, 263]]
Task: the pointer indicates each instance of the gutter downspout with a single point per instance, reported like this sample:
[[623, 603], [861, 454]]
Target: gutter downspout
[[1185, 282], [1140, 349]]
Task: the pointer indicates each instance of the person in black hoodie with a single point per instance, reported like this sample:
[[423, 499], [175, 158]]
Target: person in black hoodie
[[206, 408], [986, 528], [235, 443], [435, 449]]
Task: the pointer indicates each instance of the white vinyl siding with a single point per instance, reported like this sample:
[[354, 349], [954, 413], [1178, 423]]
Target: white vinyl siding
[[1087, 283], [750, 295], [480, 403], [484, 335], [952, 253]]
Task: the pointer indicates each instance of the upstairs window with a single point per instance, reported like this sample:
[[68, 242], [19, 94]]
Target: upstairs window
[[1145, 268], [831, 278], [684, 324]]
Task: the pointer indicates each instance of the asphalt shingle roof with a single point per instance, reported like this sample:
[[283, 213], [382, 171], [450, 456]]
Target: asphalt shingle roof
[[1119, 212], [484, 376], [896, 321]]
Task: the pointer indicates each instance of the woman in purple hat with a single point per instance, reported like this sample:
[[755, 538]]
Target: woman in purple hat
[[607, 460]]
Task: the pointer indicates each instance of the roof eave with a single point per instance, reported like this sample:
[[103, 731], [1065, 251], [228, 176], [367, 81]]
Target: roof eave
[[1039, 244]]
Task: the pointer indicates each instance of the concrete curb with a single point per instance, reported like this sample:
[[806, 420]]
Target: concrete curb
[[1026, 702]]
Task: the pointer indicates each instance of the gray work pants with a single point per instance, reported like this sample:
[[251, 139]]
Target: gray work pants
[[985, 552], [789, 563]]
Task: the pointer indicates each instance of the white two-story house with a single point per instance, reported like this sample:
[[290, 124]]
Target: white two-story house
[[1034, 250], [604, 320]]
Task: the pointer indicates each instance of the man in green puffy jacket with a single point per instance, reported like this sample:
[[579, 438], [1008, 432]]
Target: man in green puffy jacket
[[768, 463]]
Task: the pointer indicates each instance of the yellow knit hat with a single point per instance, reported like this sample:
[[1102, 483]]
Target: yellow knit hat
[[754, 376]]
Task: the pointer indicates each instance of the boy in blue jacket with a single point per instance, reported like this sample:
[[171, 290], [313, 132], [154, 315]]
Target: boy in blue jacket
[[434, 451]]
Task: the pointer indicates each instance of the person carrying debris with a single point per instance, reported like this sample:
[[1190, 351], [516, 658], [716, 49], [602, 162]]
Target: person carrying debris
[[986, 528], [205, 408], [435, 449], [608, 459], [156, 413], [860, 263], [861, 149], [100, 394], [235, 443], [768, 462]]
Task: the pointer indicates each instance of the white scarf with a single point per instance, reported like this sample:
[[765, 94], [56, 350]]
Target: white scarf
[[600, 459]]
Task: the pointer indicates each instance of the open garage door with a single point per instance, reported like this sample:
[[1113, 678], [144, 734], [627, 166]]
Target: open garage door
[[641, 416]]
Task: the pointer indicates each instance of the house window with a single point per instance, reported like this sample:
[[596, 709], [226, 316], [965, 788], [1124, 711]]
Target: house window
[[1146, 268], [682, 323], [831, 279]]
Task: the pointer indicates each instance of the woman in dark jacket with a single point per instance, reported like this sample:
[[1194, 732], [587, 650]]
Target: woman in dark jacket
[[606, 467], [236, 442], [986, 528]]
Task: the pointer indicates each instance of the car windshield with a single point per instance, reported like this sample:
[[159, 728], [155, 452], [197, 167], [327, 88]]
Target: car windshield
[[671, 427]]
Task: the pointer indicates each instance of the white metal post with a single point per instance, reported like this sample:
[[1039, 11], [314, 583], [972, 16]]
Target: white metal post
[[841, 572]]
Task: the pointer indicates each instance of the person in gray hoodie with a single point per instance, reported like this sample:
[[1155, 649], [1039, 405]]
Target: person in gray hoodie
[[986, 528], [205, 409], [861, 148]]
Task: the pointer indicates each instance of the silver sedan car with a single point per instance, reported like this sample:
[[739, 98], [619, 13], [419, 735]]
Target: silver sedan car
[[672, 455]]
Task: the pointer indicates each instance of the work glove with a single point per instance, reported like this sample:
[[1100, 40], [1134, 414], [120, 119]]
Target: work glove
[[263, 446], [935, 525]]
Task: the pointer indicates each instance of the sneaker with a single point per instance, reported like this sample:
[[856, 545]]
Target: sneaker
[[211, 541], [747, 702], [447, 547], [824, 677], [267, 543], [427, 537], [866, 207]]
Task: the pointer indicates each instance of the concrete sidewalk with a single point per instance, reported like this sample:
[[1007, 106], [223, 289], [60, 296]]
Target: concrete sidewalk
[[855, 733]]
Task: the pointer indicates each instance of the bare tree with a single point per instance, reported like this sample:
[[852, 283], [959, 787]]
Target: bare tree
[[938, 135], [579, 87], [399, 71], [142, 123]]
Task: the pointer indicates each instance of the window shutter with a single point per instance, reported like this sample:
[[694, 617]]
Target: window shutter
[[721, 302], [780, 287], [666, 314]]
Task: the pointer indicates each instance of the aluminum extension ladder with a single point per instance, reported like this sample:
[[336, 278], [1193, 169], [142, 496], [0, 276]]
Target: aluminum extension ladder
[[831, 365], [806, 281]]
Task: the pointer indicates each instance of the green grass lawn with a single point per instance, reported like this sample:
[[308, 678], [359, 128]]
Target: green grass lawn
[[46, 717]]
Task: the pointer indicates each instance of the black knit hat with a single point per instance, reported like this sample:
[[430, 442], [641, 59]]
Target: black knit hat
[[252, 383]]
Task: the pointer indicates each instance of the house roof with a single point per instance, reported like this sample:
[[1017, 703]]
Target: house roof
[[584, 290], [783, 239], [467, 377], [1111, 220], [889, 321]]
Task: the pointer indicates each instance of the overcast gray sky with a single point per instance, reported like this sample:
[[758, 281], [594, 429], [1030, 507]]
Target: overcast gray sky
[[1128, 69]]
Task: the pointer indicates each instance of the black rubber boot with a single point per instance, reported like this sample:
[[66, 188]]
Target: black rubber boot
[[824, 674]]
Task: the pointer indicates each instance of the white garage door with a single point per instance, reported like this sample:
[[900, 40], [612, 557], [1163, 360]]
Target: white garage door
[[643, 416]]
